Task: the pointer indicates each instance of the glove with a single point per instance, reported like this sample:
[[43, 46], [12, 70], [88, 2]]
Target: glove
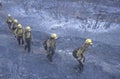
[[16, 36]]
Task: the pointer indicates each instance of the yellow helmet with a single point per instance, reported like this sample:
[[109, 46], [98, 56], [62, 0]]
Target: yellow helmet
[[9, 14], [19, 26], [15, 20], [54, 35], [88, 41], [28, 28]]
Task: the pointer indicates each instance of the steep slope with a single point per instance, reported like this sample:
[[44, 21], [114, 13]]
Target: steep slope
[[102, 60]]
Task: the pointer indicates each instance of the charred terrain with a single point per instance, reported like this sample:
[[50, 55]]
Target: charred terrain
[[73, 21]]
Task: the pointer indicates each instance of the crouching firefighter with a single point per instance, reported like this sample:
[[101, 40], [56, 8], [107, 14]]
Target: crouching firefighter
[[19, 34], [50, 46], [79, 53], [9, 20], [28, 38]]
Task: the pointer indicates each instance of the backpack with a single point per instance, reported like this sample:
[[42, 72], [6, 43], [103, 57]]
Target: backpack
[[45, 45], [74, 53]]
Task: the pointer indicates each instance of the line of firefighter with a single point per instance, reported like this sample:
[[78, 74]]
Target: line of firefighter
[[49, 44], [23, 37]]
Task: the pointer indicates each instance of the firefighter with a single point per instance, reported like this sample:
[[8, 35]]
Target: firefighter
[[9, 20], [19, 34], [28, 38], [50, 46], [79, 53], [14, 25]]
